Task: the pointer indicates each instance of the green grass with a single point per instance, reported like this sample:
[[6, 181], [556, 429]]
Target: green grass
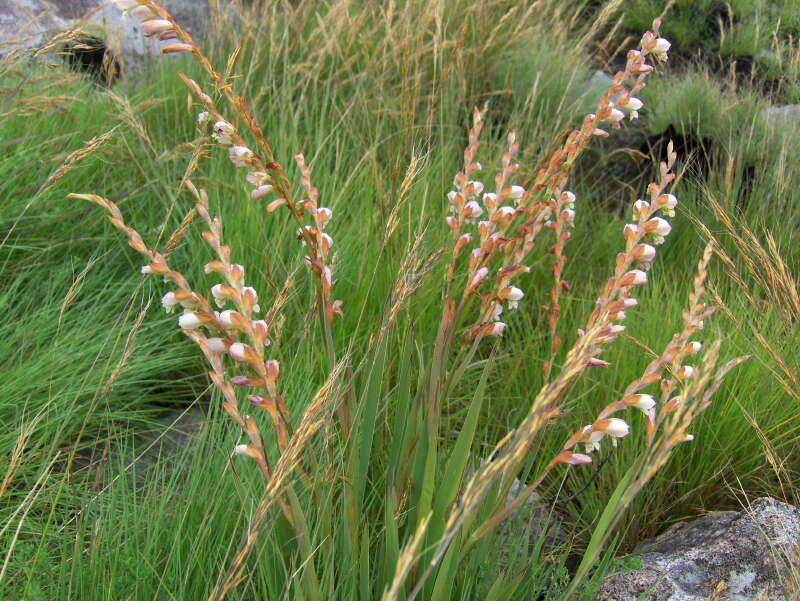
[[77, 383]]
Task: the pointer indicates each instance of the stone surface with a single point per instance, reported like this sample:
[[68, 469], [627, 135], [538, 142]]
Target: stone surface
[[783, 114], [742, 555], [30, 23]]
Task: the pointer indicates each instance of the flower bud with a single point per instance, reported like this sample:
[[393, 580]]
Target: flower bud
[[635, 277], [142, 12], [239, 351], [643, 402], [612, 427], [666, 201], [658, 225], [479, 276], [516, 192], [168, 301], [177, 48], [643, 252], [223, 132], [616, 115], [323, 215], [216, 345], [155, 26], [661, 47], [684, 372], [260, 192], [189, 321], [495, 329], [240, 155]]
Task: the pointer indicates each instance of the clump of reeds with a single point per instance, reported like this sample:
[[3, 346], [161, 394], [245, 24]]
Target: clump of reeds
[[493, 236]]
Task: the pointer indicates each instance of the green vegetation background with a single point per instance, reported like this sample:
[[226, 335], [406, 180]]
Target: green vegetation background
[[363, 95]]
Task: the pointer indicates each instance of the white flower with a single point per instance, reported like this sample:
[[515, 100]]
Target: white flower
[[216, 345], [219, 295], [237, 351], [477, 187], [323, 215], [240, 155], [496, 329], [641, 207], [189, 321], [202, 118], [226, 318], [661, 47], [260, 192], [155, 27], [142, 13], [506, 212], [125, 4], [516, 192], [644, 402], [240, 449], [168, 301], [635, 277], [667, 201], [252, 291], [694, 347], [479, 276], [513, 295], [146, 270], [658, 225], [684, 372], [471, 211], [634, 103], [615, 427], [223, 132], [616, 115], [644, 252]]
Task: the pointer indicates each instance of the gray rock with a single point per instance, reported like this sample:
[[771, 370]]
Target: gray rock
[[780, 115], [741, 555], [31, 23]]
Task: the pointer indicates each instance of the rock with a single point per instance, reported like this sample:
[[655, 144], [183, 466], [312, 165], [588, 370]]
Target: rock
[[31, 23], [780, 115], [740, 555], [534, 528]]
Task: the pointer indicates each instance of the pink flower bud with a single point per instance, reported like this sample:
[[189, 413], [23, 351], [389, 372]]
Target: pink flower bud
[[658, 225], [692, 348], [661, 47], [177, 48], [238, 351], [635, 277], [223, 132], [512, 293], [666, 201], [125, 4], [612, 427], [634, 103], [142, 13], [240, 155], [260, 192], [630, 231], [479, 276], [216, 345], [578, 459], [168, 301], [496, 329], [323, 215], [189, 321], [477, 187], [643, 252], [616, 115], [471, 210], [641, 207], [644, 402], [516, 192]]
